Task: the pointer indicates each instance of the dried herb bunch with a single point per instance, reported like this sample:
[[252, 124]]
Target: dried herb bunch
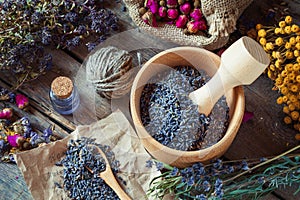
[[282, 43], [227, 179], [27, 26]]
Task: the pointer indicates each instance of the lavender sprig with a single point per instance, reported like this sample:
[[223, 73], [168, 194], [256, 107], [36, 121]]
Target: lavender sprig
[[228, 179]]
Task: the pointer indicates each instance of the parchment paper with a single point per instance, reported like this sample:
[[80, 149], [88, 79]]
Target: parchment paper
[[41, 174]]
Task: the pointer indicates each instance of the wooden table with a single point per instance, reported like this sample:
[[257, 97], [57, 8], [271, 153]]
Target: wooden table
[[264, 135]]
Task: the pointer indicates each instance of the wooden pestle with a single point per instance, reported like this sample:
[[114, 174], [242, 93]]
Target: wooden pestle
[[241, 64]]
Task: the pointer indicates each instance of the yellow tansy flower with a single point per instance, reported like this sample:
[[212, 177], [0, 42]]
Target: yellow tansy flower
[[297, 46], [286, 110], [298, 78], [295, 115], [296, 53], [282, 24], [293, 98], [287, 29], [288, 45], [291, 76], [279, 100], [295, 28], [269, 46], [287, 120], [289, 54], [263, 41], [284, 90], [288, 19], [294, 88], [284, 73], [258, 26], [292, 40], [262, 33], [277, 30], [296, 67], [292, 107], [289, 67], [279, 41]]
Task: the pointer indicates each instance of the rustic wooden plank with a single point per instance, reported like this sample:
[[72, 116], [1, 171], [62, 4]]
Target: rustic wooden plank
[[13, 186], [265, 134]]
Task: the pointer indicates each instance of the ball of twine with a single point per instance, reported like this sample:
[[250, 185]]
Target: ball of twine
[[108, 69]]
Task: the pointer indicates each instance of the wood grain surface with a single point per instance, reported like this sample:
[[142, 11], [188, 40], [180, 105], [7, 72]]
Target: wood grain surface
[[264, 135]]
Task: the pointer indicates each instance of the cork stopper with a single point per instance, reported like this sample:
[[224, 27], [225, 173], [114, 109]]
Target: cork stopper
[[62, 87]]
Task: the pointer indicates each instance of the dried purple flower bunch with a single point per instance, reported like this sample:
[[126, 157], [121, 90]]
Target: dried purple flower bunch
[[236, 179], [185, 14], [26, 26]]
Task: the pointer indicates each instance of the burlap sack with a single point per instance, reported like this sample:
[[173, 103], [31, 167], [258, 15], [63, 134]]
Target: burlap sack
[[221, 16]]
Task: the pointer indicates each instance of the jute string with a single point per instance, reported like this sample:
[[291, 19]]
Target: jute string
[[108, 69]]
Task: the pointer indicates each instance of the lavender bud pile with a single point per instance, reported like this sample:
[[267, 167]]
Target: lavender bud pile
[[81, 171], [171, 117], [26, 27]]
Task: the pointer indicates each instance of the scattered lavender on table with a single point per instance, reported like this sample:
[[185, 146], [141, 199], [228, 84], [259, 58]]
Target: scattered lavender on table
[[26, 27], [81, 171], [168, 111]]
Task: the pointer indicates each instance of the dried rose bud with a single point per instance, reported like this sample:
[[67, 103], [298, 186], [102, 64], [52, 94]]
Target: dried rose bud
[[196, 14], [21, 101], [181, 21], [202, 25], [162, 12], [6, 113], [172, 3], [185, 8], [192, 26], [149, 19], [153, 6], [15, 140], [172, 13]]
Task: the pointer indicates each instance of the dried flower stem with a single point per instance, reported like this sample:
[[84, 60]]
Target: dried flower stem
[[263, 163]]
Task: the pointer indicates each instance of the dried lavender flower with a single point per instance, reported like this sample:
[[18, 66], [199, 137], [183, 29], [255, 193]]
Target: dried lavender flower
[[26, 27]]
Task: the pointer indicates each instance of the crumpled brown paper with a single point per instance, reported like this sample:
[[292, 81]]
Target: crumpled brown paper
[[42, 175]]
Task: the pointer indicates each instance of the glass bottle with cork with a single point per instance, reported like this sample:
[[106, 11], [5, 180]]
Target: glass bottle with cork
[[64, 95]]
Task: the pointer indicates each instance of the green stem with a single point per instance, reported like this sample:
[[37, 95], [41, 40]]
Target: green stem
[[263, 163]]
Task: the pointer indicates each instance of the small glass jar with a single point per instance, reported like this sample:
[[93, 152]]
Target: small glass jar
[[64, 96]]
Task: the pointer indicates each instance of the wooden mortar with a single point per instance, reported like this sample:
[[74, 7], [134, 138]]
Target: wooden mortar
[[200, 59]]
